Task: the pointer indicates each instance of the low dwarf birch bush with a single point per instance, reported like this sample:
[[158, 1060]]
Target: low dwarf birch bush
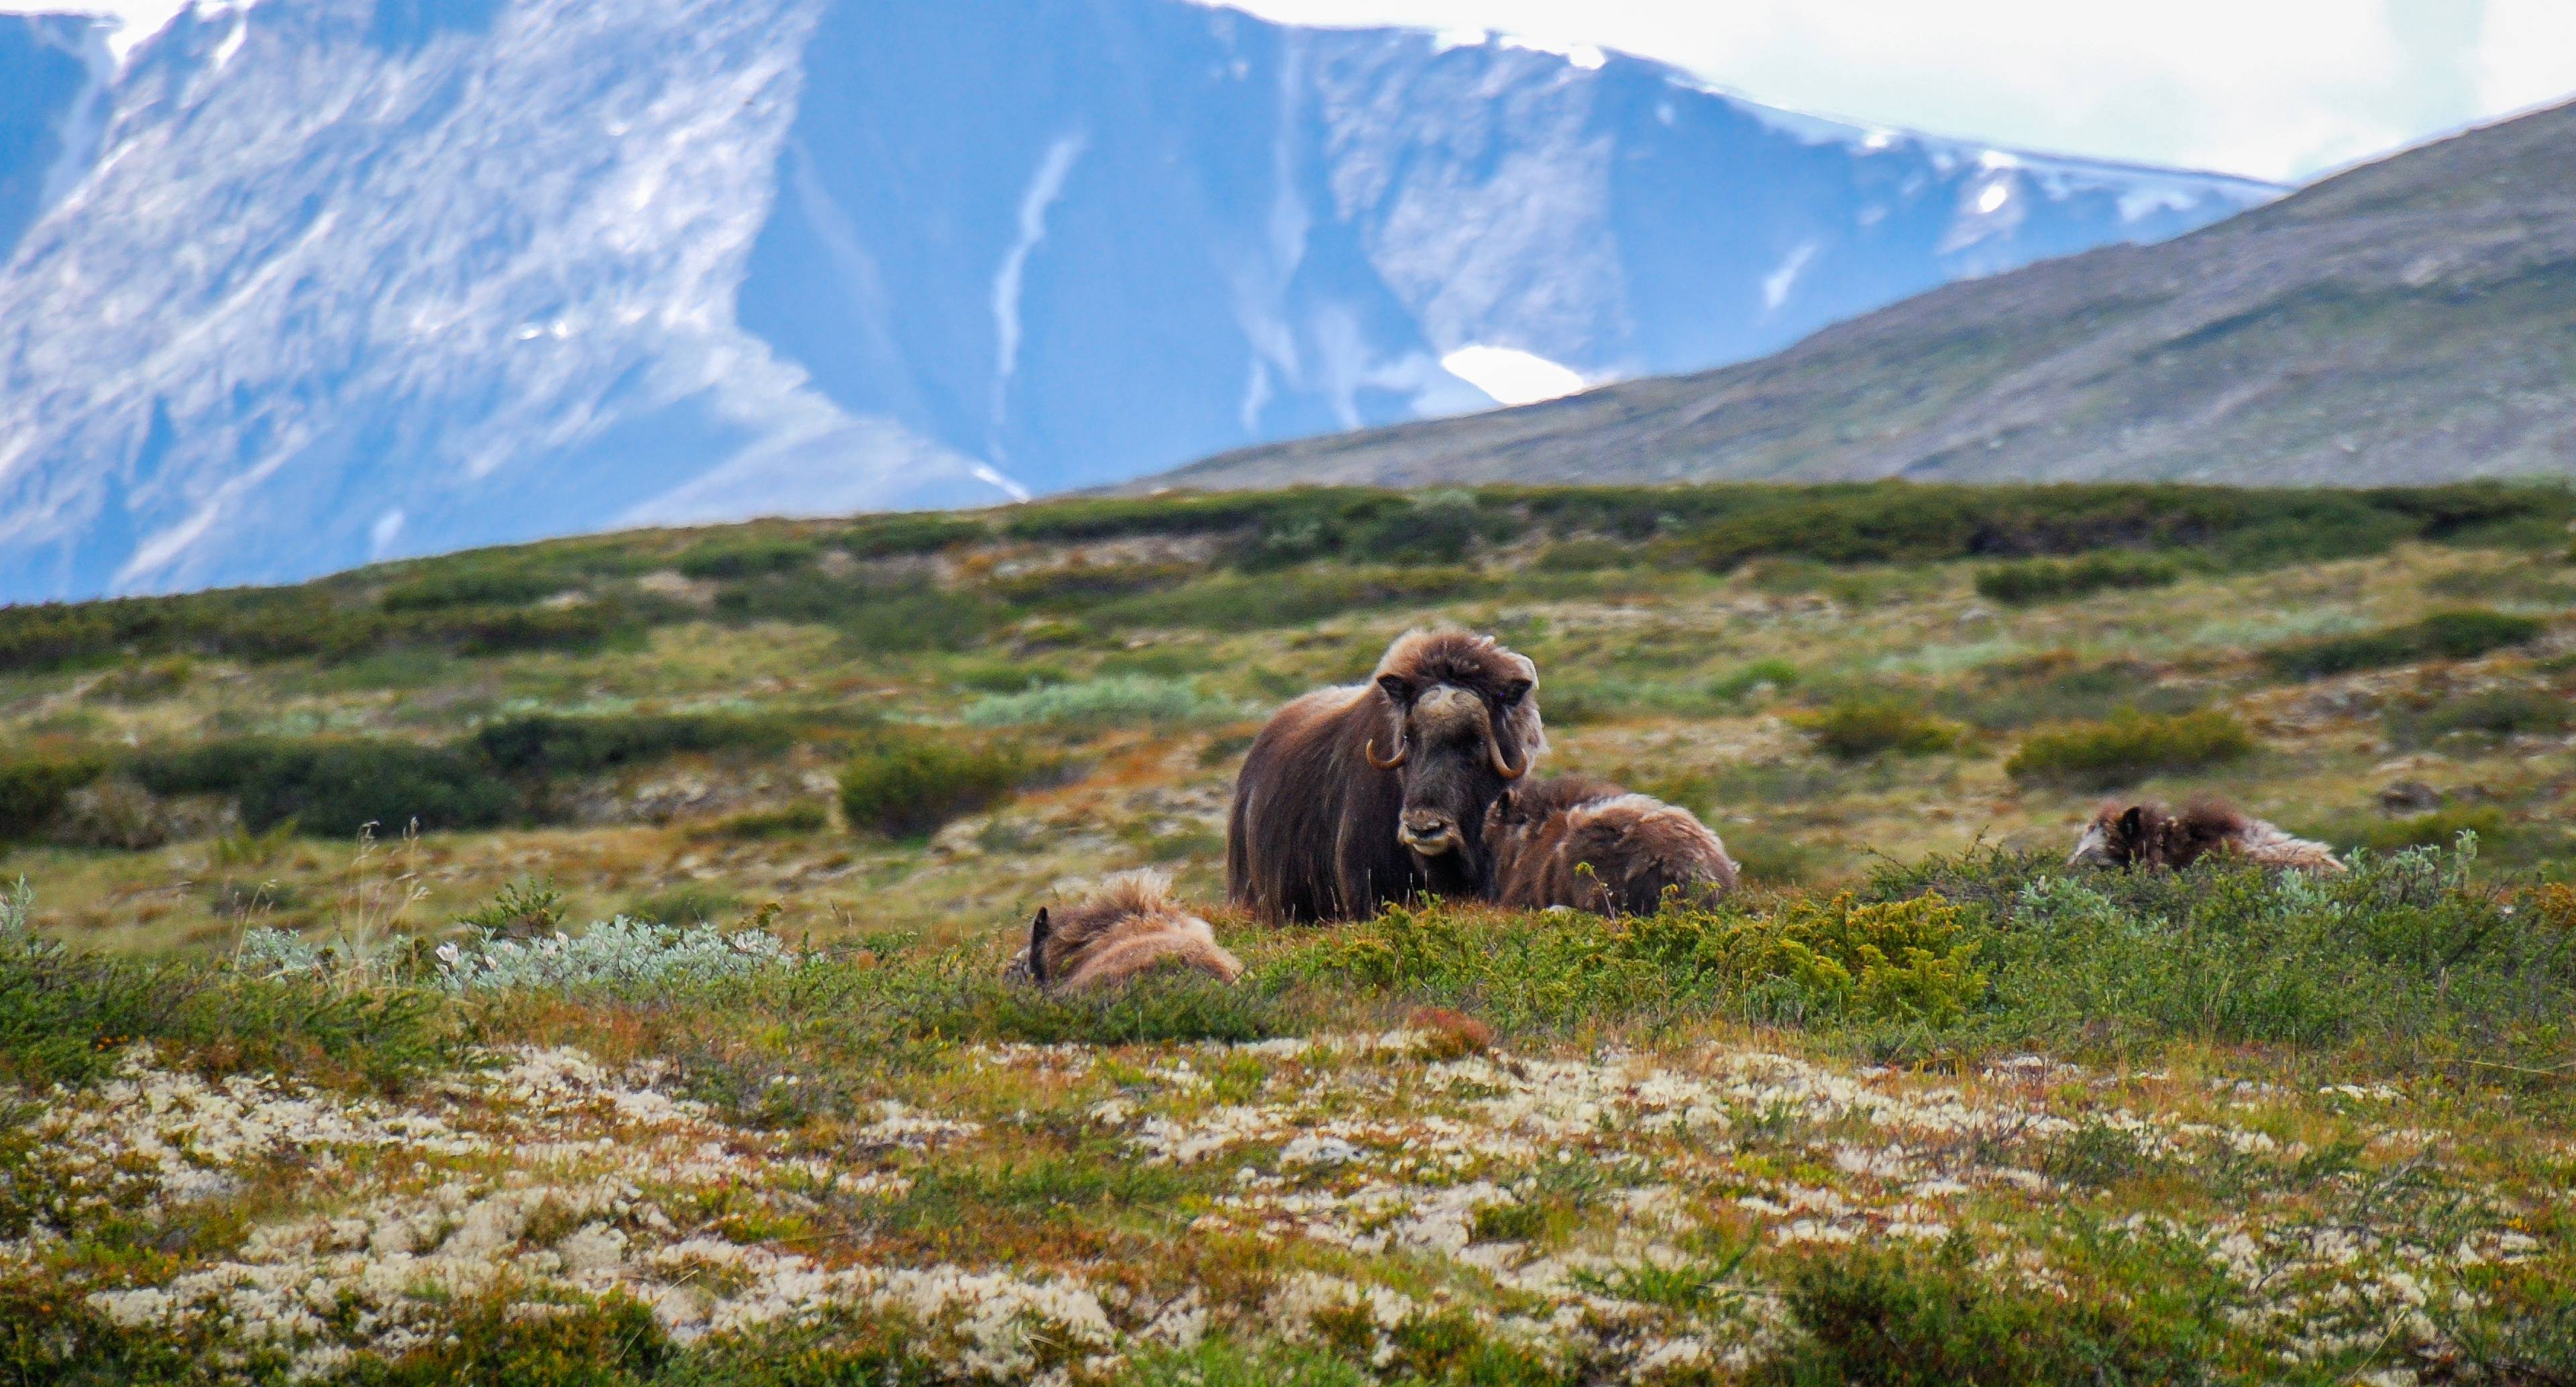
[[1899, 961]]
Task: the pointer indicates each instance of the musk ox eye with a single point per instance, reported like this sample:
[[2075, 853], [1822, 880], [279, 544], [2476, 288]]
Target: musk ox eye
[[1514, 692]]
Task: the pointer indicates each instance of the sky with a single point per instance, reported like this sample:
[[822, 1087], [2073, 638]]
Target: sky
[[2278, 89]]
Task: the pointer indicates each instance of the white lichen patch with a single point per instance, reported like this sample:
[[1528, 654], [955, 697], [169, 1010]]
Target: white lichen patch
[[1618, 1208]]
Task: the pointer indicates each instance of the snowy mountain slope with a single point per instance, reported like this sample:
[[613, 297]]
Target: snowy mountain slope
[[319, 281]]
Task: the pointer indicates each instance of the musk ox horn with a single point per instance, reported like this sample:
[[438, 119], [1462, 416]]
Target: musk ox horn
[[1390, 763], [1502, 765]]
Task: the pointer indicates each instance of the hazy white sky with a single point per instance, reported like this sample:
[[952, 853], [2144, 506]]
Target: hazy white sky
[[2271, 88]]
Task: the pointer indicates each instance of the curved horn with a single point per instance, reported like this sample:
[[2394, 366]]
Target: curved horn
[[1503, 767], [1401, 751]]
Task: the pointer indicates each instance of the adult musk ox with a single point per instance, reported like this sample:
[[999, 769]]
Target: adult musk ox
[[1593, 846], [1130, 926], [2150, 835], [1352, 797]]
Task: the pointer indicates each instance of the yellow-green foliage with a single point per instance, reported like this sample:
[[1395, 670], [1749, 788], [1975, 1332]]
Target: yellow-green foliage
[[1901, 961], [903, 784], [2130, 747], [34, 785], [1855, 729]]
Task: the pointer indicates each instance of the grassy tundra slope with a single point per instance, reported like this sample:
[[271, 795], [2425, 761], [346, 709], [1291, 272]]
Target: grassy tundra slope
[[1921, 1106], [2406, 321]]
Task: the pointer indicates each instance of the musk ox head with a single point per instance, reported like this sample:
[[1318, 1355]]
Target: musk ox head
[[1130, 926], [2115, 835], [1462, 723]]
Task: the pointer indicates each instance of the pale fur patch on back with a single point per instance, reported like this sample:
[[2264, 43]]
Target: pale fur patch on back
[[2266, 842]]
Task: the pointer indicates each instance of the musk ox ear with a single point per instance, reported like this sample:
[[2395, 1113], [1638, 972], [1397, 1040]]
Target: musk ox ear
[[1397, 688], [2133, 823], [1502, 805], [1039, 929], [1515, 691]]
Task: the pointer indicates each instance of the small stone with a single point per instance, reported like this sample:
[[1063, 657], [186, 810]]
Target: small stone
[[2409, 797]]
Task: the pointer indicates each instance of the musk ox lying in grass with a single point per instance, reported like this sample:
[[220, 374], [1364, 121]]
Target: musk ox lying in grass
[[2150, 835], [1356, 796], [1128, 927], [1591, 845]]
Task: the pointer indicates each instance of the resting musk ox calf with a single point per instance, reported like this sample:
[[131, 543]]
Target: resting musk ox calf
[[1593, 846], [2149, 835], [1352, 797], [1130, 926]]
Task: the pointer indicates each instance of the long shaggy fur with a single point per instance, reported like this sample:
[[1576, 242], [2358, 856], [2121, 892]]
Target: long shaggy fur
[[2150, 835], [1591, 845], [1312, 834], [1131, 925]]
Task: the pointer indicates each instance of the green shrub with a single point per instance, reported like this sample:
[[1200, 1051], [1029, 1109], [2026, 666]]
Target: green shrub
[[144, 680], [901, 785], [1882, 1317], [2439, 829], [67, 1014], [750, 557], [2392, 966], [792, 821], [1079, 586], [1116, 701], [543, 746], [2463, 634], [471, 587], [1254, 602], [2493, 713], [1855, 729], [2057, 580], [1439, 528], [1586, 556], [1778, 674], [335, 788], [483, 631], [1904, 962], [685, 905], [2130, 747], [34, 786], [887, 535]]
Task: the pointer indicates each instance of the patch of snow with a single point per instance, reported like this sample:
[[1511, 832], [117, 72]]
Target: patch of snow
[[1777, 284], [1512, 376], [1581, 55], [1045, 187]]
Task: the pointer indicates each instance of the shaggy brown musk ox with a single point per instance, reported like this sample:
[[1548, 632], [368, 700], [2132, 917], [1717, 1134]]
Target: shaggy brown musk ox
[[1591, 845], [1128, 927], [2150, 835], [1355, 796]]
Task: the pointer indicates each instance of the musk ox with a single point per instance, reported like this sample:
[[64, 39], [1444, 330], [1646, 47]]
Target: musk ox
[[1593, 846], [2150, 835], [1128, 927], [1352, 797]]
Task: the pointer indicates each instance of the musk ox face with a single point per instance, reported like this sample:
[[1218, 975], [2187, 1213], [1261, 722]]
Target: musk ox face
[[1455, 750], [2111, 839]]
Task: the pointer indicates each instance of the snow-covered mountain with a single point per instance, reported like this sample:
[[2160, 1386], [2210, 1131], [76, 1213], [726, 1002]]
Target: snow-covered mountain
[[301, 283]]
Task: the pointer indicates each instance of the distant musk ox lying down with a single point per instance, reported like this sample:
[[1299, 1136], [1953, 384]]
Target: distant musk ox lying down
[[1129, 927], [1590, 845], [1356, 796], [2149, 835]]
